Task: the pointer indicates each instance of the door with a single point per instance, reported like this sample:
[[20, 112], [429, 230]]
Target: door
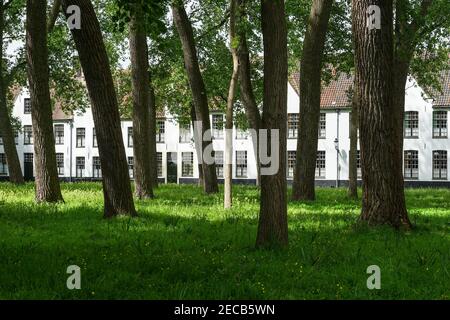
[[28, 166], [172, 171]]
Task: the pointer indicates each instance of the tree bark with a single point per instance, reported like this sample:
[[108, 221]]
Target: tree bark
[[383, 200], [198, 89], [228, 174], [6, 130], [352, 158], [46, 183], [117, 193], [198, 147], [273, 228], [310, 89], [141, 110], [152, 139]]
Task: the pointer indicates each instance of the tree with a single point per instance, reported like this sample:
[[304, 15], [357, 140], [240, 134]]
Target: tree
[[198, 89], [117, 193], [383, 200], [352, 157], [47, 183], [273, 228], [6, 129], [310, 90], [141, 107]]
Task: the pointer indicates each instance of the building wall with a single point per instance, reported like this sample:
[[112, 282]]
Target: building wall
[[337, 126]]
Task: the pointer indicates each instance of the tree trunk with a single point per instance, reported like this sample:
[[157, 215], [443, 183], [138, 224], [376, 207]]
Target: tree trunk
[[141, 111], [273, 228], [198, 147], [383, 200], [352, 157], [152, 140], [228, 175], [246, 90], [117, 193], [310, 88], [6, 130], [47, 183], [198, 89]]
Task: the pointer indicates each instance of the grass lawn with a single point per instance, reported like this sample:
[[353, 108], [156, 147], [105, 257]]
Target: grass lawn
[[185, 246]]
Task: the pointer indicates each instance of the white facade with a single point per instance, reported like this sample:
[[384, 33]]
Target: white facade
[[73, 147]]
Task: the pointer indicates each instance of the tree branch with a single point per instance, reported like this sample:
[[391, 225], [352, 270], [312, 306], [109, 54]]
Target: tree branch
[[53, 15]]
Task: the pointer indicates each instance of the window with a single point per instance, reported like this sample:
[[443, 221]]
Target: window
[[358, 164], [241, 164], [411, 164], [160, 130], [59, 134], [130, 137], [185, 133], [60, 163], [27, 106], [187, 164], [27, 135], [440, 124], [16, 136], [131, 167], [94, 138], [217, 126], [411, 124], [81, 137], [28, 157], [3, 165], [440, 165], [292, 125], [80, 167], [323, 126], [159, 167], [320, 164], [291, 163], [96, 167], [218, 158]]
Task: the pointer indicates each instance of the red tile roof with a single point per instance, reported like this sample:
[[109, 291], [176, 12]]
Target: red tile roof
[[442, 98]]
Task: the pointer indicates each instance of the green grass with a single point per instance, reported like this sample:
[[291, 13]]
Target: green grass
[[184, 245]]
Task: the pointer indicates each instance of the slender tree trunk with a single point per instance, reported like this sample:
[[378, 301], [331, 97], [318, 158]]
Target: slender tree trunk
[[198, 147], [273, 228], [141, 111], [246, 90], [383, 200], [47, 183], [310, 88], [228, 183], [117, 193], [352, 158], [152, 140], [6, 130], [198, 89]]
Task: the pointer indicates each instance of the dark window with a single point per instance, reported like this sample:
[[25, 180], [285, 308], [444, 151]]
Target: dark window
[[59, 134], [131, 167], [27, 106], [323, 126], [80, 167], [440, 124], [411, 124], [292, 125], [218, 158], [358, 164], [411, 164], [159, 167], [96, 167], [27, 135], [187, 164], [241, 164], [440, 165], [94, 138], [3, 165], [217, 126], [81, 137], [160, 131], [130, 137], [60, 163], [320, 164], [291, 163], [16, 136]]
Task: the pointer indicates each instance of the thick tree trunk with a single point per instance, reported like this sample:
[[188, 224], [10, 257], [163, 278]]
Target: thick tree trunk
[[273, 228], [47, 183], [246, 89], [352, 157], [152, 140], [117, 193], [6, 130], [141, 111], [310, 88], [383, 200], [198, 89], [228, 183]]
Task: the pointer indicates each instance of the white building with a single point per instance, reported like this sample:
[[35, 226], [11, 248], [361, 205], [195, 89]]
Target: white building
[[426, 141]]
